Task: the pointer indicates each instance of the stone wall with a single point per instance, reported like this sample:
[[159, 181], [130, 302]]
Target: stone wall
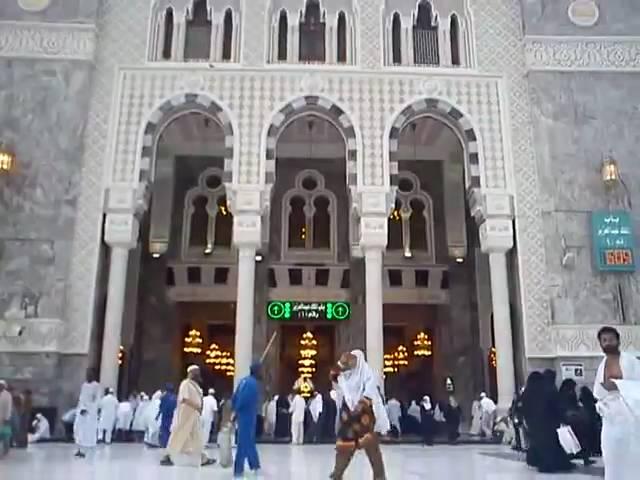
[[43, 114]]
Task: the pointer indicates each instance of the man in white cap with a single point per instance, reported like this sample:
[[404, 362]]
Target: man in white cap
[[85, 427], [487, 415], [108, 416], [6, 406], [186, 430], [209, 411]]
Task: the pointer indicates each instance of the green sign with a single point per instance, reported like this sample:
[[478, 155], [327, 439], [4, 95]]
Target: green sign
[[288, 310], [613, 241]]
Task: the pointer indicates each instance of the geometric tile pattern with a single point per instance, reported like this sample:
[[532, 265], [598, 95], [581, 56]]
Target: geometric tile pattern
[[451, 115]]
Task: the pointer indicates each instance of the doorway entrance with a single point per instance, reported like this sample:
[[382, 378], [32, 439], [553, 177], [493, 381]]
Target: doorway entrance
[[291, 354]]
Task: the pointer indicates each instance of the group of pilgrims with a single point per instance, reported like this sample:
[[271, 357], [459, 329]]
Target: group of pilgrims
[[356, 415]]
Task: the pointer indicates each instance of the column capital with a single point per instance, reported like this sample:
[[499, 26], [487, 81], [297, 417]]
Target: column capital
[[247, 199], [126, 198], [247, 230], [121, 230], [373, 232], [374, 202], [485, 205], [496, 235]]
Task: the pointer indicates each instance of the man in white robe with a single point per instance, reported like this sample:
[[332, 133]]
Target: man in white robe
[[476, 418], [297, 409], [394, 410], [41, 429], [270, 417], [139, 423], [85, 428], [315, 409], [152, 433], [186, 429], [108, 412], [209, 412], [617, 388], [124, 417], [488, 410]]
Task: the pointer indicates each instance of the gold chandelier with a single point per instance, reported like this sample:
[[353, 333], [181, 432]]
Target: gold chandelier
[[220, 360], [307, 363], [422, 346], [396, 361], [493, 357], [193, 342]]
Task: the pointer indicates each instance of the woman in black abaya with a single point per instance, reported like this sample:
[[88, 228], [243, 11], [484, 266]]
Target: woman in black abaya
[[283, 427], [542, 415]]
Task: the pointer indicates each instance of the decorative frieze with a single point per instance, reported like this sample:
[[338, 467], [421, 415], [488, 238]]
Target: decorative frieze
[[582, 341], [56, 41], [582, 53]]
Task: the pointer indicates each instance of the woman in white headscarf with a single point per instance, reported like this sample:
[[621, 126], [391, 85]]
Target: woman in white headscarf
[[363, 416]]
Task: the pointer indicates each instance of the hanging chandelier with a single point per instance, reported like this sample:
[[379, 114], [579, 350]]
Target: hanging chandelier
[[422, 345], [220, 360], [193, 342], [493, 357], [396, 361], [307, 363]]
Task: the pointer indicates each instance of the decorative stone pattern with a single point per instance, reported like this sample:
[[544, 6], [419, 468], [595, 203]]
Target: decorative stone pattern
[[583, 341], [47, 41], [500, 49], [38, 335], [580, 53], [122, 40], [160, 118], [451, 114], [324, 107], [372, 101]]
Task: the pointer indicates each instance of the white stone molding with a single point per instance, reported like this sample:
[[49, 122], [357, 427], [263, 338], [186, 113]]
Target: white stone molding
[[48, 41], [582, 53], [582, 340]]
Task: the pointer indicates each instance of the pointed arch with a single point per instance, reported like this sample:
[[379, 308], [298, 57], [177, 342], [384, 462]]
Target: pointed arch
[[227, 35], [454, 118], [283, 36], [167, 40], [396, 39], [169, 110], [454, 39], [325, 108], [341, 43]]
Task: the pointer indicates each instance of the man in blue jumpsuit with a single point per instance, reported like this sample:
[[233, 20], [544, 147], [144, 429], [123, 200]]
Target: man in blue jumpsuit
[[168, 404], [245, 406]]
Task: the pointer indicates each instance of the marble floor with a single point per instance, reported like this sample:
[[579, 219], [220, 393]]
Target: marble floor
[[403, 462]]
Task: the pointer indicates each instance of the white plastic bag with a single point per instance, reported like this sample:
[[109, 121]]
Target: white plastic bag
[[568, 440]]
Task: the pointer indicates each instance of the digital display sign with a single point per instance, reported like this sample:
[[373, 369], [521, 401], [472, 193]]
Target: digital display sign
[[289, 310], [613, 241]]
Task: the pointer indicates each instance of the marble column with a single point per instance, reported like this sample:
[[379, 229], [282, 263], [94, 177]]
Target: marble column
[[244, 311], [109, 368], [121, 234], [373, 299], [502, 328]]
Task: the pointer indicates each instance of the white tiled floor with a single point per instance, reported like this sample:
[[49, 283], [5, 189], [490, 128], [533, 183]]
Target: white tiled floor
[[134, 462]]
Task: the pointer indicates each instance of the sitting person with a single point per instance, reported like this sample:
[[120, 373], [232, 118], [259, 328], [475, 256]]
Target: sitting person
[[41, 429]]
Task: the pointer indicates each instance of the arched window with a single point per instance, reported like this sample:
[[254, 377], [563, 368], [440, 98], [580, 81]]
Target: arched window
[[297, 223], [309, 217], [208, 223], [454, 33], [199, 227], [395, 228], [411, 221], [396, 39], [425, 36], [312, 31], [224, 224], [227, 39], [342, 38], [283, 36], [167, 41], [198, 35]]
